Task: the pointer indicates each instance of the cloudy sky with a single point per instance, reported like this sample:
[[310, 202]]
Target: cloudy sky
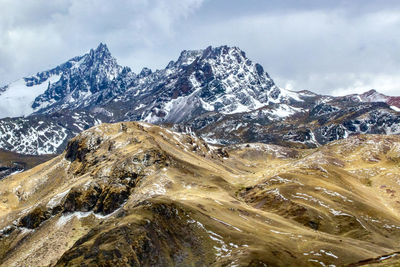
[[332, 47]]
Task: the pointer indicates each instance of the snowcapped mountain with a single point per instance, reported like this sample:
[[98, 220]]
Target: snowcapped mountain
[[217, 79], [314, 126], [220, 79], [68, 86], [81, 82], [218, 92], [374, 96]]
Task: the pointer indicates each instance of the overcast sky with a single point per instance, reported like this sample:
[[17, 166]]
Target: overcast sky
[[326, 46]]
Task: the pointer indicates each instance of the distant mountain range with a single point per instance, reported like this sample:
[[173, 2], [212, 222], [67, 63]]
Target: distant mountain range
[[218, 93]]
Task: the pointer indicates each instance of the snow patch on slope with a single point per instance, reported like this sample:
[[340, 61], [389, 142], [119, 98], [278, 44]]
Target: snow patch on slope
[[284, 111], [39, 139], [395, 108], [17, 99]]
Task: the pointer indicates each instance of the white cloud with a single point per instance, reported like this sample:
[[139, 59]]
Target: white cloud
[[323, 47], [35, 35], [386, 84], [317, 50]]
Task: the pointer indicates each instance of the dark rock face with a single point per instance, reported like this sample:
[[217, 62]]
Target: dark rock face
[[82, 200], [111, 198], [321, 110], [103, 199], [7, 170], [144, 244], [75, 151], [34, 218]]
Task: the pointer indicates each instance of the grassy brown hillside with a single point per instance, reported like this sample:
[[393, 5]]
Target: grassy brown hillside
[[132, 194]]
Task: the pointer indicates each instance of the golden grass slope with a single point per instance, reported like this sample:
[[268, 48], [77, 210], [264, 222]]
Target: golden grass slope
[[131, 194]]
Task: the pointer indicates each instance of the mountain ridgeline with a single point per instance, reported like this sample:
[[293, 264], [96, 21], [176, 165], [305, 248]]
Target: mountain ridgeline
[[218, 93]]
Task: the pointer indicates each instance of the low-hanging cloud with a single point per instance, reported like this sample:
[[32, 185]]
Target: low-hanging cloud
[[40, 34], [320, 50], [330, 47]]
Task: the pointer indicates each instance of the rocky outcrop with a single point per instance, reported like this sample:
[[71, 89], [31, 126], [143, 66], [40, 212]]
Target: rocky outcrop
[[34, 218], [165, 239]]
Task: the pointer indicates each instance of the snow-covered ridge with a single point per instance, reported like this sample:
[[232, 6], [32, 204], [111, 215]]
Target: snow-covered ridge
[[374, 96]]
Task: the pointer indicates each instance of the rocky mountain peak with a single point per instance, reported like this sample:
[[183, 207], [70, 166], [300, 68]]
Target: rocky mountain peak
[[217, 54], [188, 56], [218, 79], [87, 75], [370, 92], [101, 49], [217, 91], [375, 96], [145, 72], [101, 56]]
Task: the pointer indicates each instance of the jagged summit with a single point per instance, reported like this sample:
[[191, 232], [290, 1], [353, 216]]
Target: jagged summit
[[222, 77], [370, 92], [219, 79], [188, 56], [224, 50], [69, 82], [91, 74], [237, 55], [217, 91], [101, 49], [373, 96], [101, 55], [216, 79]]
